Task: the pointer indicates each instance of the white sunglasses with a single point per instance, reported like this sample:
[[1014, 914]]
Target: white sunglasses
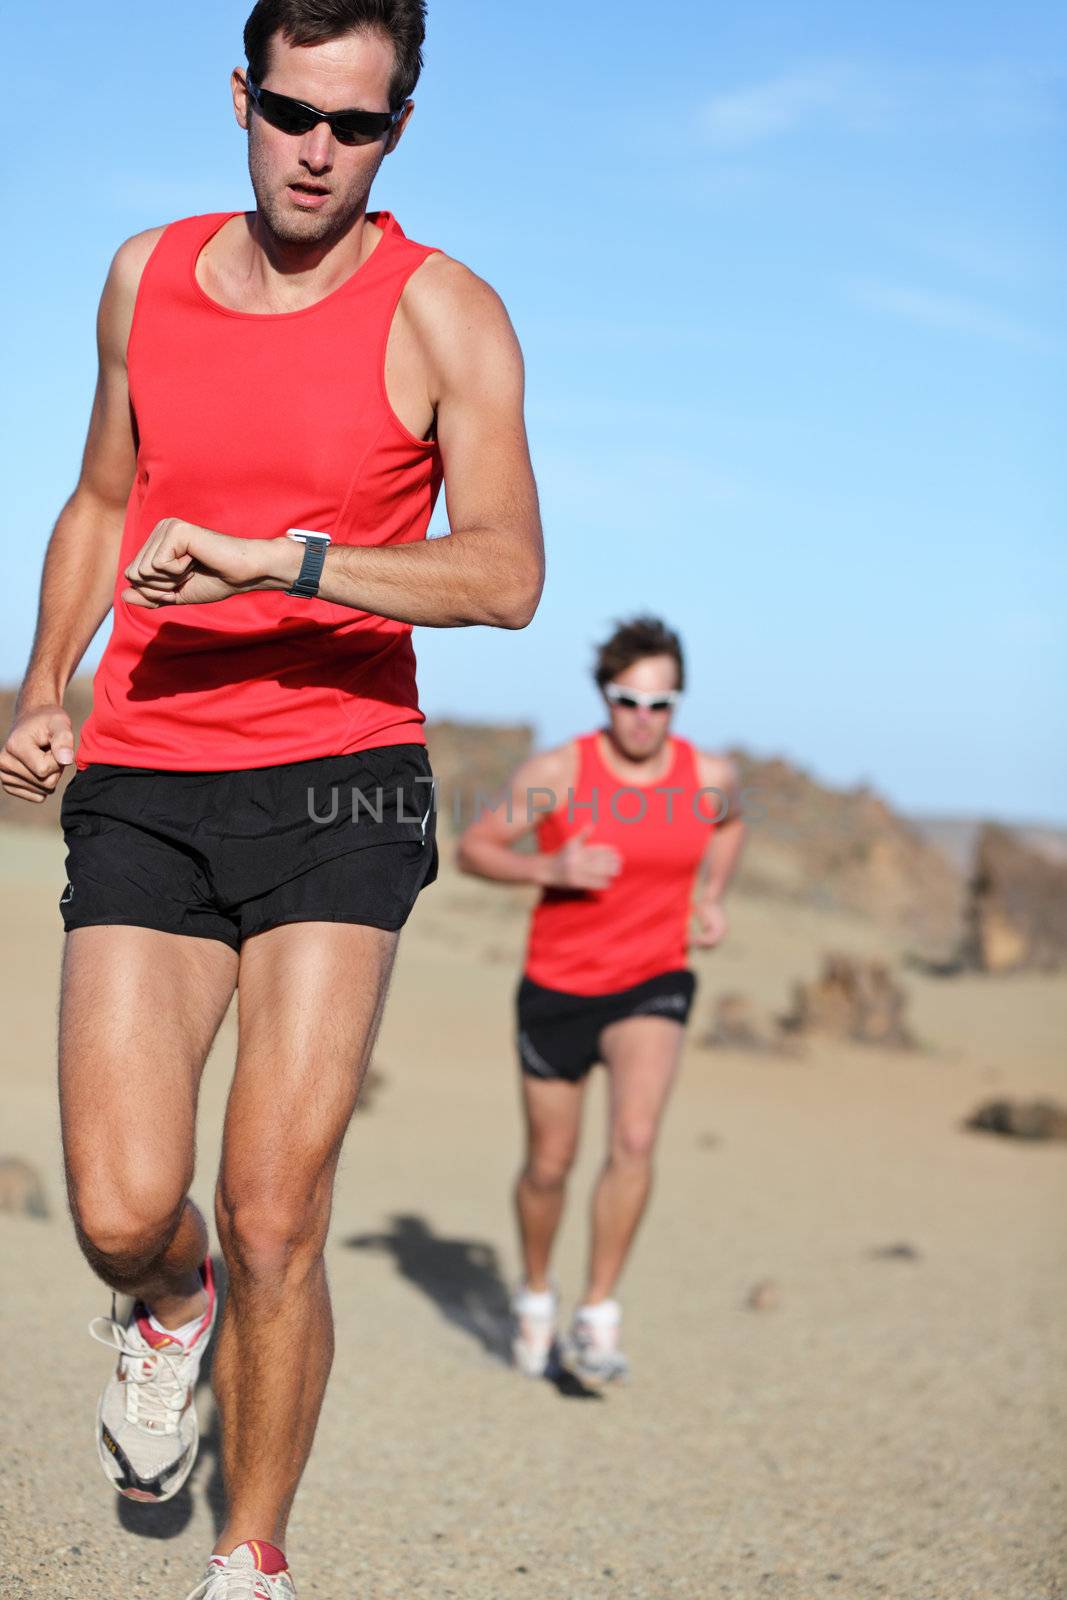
[[631, 699]]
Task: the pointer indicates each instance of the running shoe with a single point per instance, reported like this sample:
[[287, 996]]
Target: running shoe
[[591, 1353], [147, 1431], [534, 1333], [255, 1571]]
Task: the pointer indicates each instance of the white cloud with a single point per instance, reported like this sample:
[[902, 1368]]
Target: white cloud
[[1008, 98], [984, 246], [763, 111], [948, 313]]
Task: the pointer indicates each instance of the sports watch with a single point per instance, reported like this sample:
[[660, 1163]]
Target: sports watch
[[315, 544]]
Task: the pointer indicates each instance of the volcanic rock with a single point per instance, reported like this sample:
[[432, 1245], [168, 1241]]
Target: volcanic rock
[[853, 999], [1016, 912]]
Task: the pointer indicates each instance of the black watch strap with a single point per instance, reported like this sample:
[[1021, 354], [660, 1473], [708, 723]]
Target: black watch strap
[[307, 579]]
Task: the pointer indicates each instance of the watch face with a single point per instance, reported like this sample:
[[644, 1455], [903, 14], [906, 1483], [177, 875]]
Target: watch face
[[306, 536]]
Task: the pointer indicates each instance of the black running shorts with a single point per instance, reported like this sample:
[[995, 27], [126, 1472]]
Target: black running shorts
[[559, 1034], [224, 855]]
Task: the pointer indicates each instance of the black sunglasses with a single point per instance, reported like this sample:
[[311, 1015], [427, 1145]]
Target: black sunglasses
[[293, 116]]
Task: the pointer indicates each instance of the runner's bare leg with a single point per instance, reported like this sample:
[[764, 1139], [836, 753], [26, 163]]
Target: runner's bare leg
[[311, 996], [139, 1010], [553, 1109], [642, 1056]]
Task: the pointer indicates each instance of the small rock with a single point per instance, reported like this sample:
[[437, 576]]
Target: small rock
[[764, 1296], [498, 954], [1020, 1119], [21, 1189], [736, 1026], [896, 1252]]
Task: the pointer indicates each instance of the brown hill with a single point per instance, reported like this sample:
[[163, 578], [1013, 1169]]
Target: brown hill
[[472, 761], [845, 849]]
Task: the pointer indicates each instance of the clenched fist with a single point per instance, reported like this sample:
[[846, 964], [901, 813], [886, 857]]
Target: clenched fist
[[711, 924], [183, 565], [39, 746], [577, 865]]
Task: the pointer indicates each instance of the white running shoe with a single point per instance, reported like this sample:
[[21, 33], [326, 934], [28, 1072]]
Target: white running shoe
[[592, 1352], [534, 1334], [147, 1431], [255, 1571]]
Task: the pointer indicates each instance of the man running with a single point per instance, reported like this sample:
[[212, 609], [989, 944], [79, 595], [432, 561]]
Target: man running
[[280, 396], [637, 833]]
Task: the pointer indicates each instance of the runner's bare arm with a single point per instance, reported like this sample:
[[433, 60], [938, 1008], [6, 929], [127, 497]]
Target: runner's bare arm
[[490, 570], [724, 848], [82, 556], [542, 784]]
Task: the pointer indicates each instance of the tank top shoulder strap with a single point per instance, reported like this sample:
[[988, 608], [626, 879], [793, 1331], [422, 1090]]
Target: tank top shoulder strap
[[396, 241], [172, 263], [685, 768], [395, 259], [591, 768], [169, 272]]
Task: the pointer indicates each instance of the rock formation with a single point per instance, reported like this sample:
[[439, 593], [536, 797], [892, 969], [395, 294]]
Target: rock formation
[[1016, 911], [853, 999]]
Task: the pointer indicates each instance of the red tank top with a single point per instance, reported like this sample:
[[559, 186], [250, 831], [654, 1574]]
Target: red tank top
[[250, 424], [597, 942]]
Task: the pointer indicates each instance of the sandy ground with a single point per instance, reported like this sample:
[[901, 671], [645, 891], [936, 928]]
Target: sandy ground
[[894, 1427]]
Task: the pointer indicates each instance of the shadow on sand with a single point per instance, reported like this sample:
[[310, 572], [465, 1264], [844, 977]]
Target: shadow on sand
[[461, 1276], [463, 1279]]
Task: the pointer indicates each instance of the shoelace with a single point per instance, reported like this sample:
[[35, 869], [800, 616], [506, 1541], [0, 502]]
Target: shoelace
[[232, 1583], [160, 1377]]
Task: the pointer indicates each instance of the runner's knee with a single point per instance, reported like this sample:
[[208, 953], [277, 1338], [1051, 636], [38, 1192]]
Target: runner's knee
[[633, 1142], [268, 1235], [547, 1169], [124, 1231]]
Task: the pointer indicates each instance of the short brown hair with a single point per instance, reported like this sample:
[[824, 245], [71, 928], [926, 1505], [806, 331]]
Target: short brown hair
[[317, 21], [633, 641]]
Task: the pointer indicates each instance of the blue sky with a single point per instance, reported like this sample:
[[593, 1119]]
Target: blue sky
[[789, 283]]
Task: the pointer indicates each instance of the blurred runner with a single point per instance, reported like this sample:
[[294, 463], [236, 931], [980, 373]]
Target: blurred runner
[[638, 834]]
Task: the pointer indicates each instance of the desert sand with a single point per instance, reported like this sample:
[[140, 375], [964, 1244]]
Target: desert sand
[[892, 1425]]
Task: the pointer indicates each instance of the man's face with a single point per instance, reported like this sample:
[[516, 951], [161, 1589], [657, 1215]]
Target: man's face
[[309, 188], [640, 733]]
